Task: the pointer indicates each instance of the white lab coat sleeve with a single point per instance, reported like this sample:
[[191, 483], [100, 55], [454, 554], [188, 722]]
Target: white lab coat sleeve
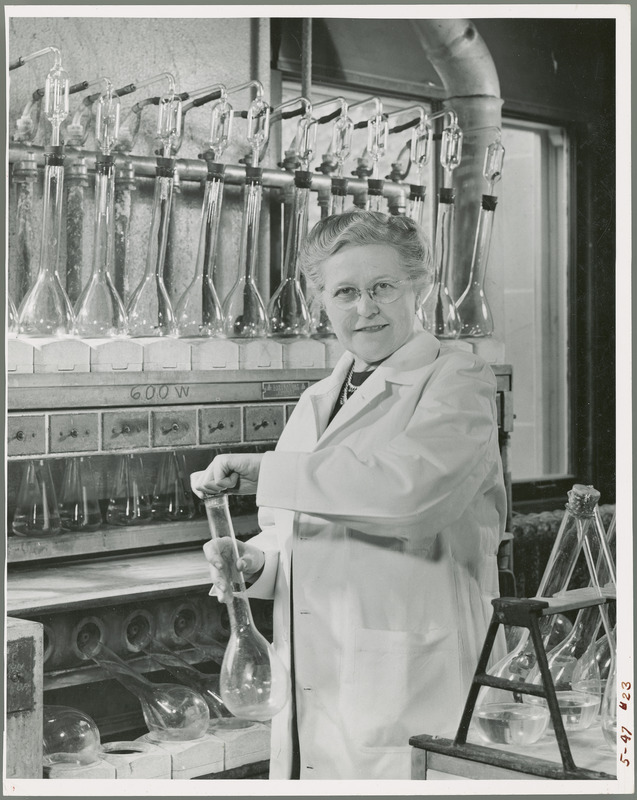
[[424, 478]]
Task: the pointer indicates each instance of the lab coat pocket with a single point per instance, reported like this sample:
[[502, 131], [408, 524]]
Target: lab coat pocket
[[403, 684]]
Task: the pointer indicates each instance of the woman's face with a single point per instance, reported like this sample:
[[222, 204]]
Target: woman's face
[[370, 330]]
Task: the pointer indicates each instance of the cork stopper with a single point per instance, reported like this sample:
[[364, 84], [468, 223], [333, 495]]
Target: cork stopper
[[582, 500]]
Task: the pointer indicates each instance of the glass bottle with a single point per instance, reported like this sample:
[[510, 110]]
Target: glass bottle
[[472, 304], [288, 313], [245, 315], [171, 712], [36, 511], [150, 311], [78, 506], [577, 527], [129, 503], [254, 683], [172, 498], [199, 311], [69, 736], [46, 309], [206, 685]]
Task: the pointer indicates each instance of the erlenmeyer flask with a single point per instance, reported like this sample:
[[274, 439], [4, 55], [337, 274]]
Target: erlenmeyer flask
[[573, 660], [438, 311], [79, 507], [36, 512], [99, 310], [254, 682], [199, 312], [46, 309], [129, 503], [577, 527], [609, 708], [172, 498], [288, 314], [171, 712], [245, 315], [150, 312], [69, 736], [204, 684]]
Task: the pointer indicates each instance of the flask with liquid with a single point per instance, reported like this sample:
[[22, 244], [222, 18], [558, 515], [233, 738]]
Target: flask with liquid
[[172, 498], [254, 682], [129, 502], [78, 505], [36, 511], [578, 530]]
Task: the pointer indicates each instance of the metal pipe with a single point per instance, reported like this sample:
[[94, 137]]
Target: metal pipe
[[462, 60], [196, 170]]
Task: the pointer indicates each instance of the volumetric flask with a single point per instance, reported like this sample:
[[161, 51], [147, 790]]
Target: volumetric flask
[[129, 502], [69, 736], [171, 712], [172, 498], [36, 512], [254, 682], [79, 507], [244, 312]]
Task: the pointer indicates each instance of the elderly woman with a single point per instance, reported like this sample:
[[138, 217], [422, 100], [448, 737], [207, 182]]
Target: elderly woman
[[381, 510]]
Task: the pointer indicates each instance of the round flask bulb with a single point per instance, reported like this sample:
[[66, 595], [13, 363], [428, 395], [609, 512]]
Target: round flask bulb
[[69, 736]]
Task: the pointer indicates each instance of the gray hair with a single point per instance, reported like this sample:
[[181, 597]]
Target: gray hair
[[356, 228]]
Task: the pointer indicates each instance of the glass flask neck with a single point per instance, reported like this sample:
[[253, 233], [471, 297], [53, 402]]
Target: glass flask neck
[[121, 671], [104, 221], [210, 216], [52, 212], [250, 230], [297, 232], [159, 227]]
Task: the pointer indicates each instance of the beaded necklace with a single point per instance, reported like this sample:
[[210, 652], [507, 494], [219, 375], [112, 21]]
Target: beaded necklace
[[348, 387]]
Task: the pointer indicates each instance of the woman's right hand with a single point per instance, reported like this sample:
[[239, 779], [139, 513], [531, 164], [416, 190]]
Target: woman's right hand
[[220, 555]]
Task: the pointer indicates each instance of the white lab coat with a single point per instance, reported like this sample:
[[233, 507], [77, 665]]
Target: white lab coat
[[394, 512]]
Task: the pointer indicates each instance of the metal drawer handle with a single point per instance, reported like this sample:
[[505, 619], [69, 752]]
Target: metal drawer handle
[[174, 428], [263, 424], [20, 436], [218, 427], [125, 430]]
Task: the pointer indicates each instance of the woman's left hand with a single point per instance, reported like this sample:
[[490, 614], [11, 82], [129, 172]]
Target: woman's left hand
[[236, 473]]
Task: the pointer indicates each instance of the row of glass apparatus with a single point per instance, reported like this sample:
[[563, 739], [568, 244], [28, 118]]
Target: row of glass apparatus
[[77, 507], [46, 309], [581, 653]]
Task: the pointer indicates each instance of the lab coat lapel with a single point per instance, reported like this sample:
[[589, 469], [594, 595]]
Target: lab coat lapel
[[400, 368]]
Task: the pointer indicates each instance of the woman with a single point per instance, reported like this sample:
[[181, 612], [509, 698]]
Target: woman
[[386, 492]]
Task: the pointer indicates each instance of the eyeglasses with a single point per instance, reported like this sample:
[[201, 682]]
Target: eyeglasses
[[383, 292]]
